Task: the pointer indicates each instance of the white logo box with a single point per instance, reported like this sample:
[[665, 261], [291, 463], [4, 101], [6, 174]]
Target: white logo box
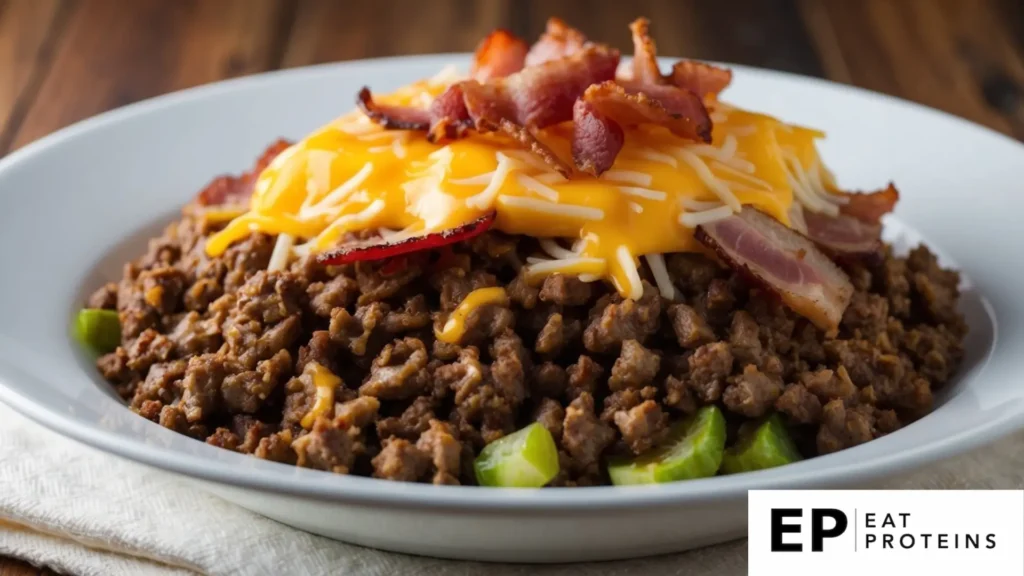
[[906, 532]]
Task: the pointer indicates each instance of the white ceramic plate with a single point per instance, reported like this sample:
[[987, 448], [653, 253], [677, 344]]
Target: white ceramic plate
[[77, 204]]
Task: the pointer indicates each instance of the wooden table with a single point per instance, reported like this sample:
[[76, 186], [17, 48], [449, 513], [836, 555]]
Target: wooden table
[[64, 60]]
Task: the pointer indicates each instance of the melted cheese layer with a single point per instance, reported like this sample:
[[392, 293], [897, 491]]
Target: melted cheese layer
[[352, 175]]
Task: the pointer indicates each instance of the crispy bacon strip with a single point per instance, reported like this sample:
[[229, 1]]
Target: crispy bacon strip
[[702, 79], [697, 77], [782, 261], [236, 190], [499, 54], [645, 54], [448, 115], [541, 95], [680, 111], [392, 117], [596, 140], [843, 235], [558, 41], [870, 207], [381, 248], [533, 98]]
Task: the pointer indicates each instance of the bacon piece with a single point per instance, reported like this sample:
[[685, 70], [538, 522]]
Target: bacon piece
[[782, 261], [645, 54], [558, 41], [381, 248], [596, 140], [448, 115], [237, 190], [528, 140], [392, 117], [843, 235], [702, 79], [541, 95], [499, 54], [680, 111], [870, 207]]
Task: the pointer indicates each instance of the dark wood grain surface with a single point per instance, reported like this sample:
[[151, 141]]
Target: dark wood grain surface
[[65, 60]]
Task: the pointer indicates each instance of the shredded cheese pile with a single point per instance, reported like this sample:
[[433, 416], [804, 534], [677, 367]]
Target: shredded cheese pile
[[352, 175]]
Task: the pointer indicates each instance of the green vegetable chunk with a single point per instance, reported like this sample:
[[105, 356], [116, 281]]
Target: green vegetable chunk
[[527, 458], [693, 449], [98, 329], [766, 446]]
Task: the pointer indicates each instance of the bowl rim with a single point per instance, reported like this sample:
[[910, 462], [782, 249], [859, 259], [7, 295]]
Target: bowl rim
[[270, 477]]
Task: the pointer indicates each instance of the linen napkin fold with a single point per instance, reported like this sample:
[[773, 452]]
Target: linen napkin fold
[[78, 511]]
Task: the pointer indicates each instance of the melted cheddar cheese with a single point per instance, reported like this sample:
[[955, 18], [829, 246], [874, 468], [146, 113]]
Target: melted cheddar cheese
[[455, 327], [352, 175], [325, 382]]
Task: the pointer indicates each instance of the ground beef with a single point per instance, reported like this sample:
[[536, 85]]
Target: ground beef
[[710, 365], [218, 348], [398, 372], [619, 320], [690, 328], [799, 404], [565, 290], [583, 377], [550, 414], [413, 421], [326, 447], [401, 460], [584, 436], [642, 426], [105, 297], [635, 367], [752, 393]]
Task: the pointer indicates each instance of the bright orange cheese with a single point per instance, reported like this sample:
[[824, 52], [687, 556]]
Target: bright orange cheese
[[352, 175]]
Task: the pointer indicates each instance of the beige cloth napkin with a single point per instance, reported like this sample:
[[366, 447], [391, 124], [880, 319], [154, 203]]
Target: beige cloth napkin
[[79, 511]]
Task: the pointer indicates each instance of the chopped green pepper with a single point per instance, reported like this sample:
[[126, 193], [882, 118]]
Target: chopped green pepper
[[527, 458], [693, 449], [766, 446], [98, 329]]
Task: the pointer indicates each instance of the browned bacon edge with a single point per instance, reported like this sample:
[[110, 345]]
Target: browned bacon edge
[[835, 288], [498, 55], [236, 190], [560, 69]]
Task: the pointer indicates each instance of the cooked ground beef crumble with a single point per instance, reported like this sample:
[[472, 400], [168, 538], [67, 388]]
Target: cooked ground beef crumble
[[217, 348]]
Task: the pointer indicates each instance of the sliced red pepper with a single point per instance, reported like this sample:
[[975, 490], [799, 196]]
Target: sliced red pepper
[[381, 248]]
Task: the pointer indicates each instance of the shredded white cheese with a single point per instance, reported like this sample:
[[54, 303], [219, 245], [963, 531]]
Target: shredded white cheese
[[529, 159], [546, 267], [398, 148], [552, 247], [538, 188], [655, 156], [656, 262], [625, 260], [636, 208], [282, 250], [629, 176], [709, 179], [567, 210], [550, 178], [480, 180], [311, 207], [802, 187], [694, 219], [344, 223], [743, 131], [754, 180], [698, 205], [485, 198], [643, 192]]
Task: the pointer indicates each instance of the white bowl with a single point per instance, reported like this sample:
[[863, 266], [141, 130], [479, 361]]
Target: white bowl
[[77, 204]]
